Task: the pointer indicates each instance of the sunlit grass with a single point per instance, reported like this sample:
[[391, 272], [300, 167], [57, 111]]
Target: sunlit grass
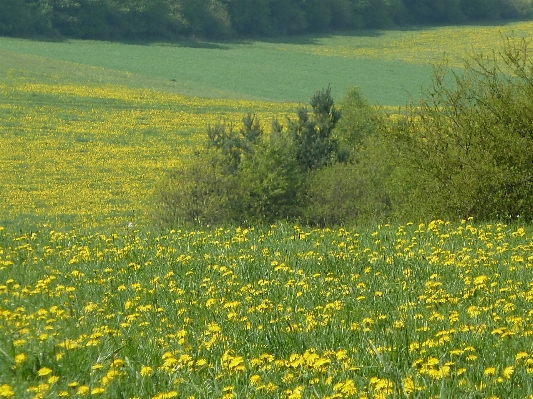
[[86, 145], [94, 303], [418, 45], [416, 311], [92, 155]]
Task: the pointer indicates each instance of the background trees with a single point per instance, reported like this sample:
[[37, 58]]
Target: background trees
[[220, 19]]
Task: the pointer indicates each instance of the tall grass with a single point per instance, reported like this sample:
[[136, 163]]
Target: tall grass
[[418, 311]]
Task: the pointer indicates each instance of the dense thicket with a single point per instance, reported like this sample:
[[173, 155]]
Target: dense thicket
[[150, 19], [465, 149]]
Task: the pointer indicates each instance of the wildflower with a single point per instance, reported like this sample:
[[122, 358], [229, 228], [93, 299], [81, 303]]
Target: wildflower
[[20, 358], [43, 371], [146, 371], [82, 390], [53, 379], [347, 387], [295, 393], [117, 363], [6, 391], [508, 371], [166, 395]]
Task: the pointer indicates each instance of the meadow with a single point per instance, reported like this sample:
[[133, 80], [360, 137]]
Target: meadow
[[90, 128], [95, 301], [414, 311]]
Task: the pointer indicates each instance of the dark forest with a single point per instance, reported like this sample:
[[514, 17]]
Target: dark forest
[[228, 19]]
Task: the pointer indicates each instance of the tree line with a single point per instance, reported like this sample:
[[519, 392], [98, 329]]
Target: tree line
[[222, 19], [464, 149]]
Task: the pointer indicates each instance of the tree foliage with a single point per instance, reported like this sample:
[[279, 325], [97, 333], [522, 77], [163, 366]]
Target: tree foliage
[[312, 135], [467, 146], [465, 149], [244, 175], [220, 19]]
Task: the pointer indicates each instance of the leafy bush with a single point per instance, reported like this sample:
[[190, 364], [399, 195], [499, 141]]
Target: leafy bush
[[359, 121], [243, 176], [355, 191], [313, 170], [312, 134], [198, 194], [467, 147], [270, 181]]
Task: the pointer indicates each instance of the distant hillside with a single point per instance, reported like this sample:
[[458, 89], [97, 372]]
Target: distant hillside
[[222, 19]]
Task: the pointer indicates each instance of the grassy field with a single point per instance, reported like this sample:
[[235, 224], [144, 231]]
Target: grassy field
[[92, 155], [89, 128], [410, 311], [95, 302], [260, 71], [388, 66]]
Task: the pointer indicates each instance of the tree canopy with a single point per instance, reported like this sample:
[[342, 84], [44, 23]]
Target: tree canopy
[[218, 19]]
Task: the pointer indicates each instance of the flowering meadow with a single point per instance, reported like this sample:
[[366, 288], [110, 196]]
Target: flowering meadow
[[412, 311], [95, 302], [90, 155], [420, 45]]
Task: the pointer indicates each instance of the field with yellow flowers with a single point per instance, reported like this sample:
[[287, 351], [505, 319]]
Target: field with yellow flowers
[[96, 302], [410, 311], [91, 155], [88, 129]]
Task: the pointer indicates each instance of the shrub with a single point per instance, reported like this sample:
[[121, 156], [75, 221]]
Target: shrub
[[312, 134], [353, 192], [270, 181], [197, 194], [467, 147]]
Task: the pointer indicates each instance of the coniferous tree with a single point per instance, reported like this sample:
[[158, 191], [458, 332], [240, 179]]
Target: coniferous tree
[[312, 134]]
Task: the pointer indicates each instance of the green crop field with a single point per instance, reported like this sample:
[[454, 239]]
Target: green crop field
[[260, 71], [388, 66], [96, 302]]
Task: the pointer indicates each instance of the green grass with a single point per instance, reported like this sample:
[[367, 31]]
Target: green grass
[[416, 311], [388, 66], [249, 70], [88, 128], [91, 154], [89, 306]]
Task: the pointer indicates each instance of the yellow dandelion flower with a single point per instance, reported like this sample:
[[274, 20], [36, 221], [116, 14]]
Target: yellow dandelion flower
[[490, 371], [146, 371], [20, 358], [117, 363], [82, 390], [97, 391], [53, 379], [44, 371], [6, 391], [508, 371]]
